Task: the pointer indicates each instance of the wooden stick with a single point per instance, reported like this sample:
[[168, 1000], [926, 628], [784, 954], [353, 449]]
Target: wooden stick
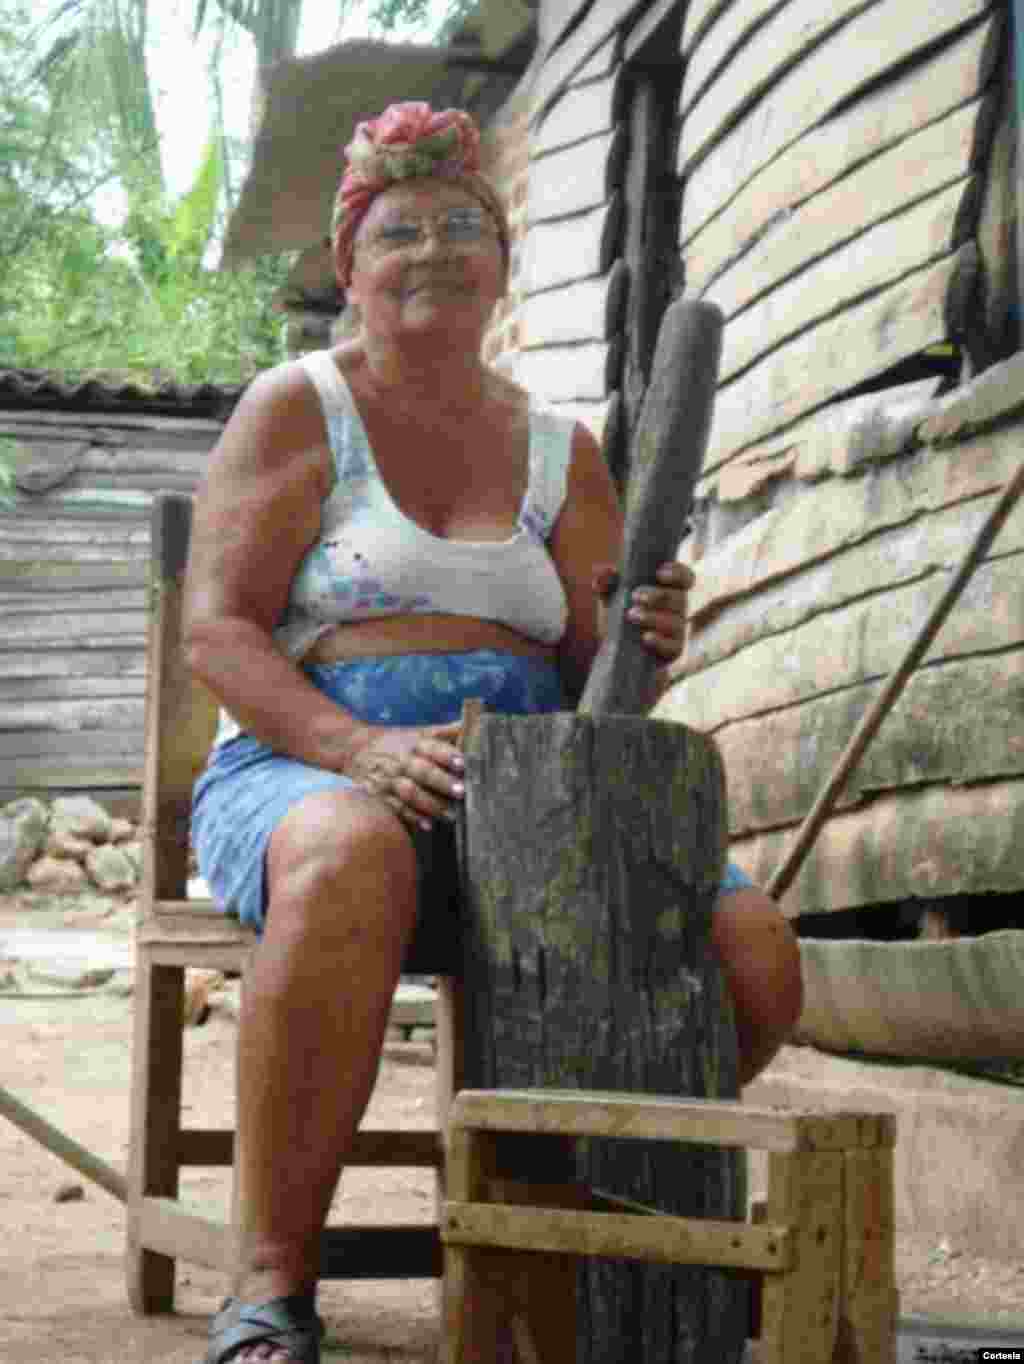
[[60, 1145], [786, 873], [668, 450]]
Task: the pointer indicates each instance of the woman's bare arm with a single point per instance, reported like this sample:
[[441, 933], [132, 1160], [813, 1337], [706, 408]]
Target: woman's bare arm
[[257, 513]]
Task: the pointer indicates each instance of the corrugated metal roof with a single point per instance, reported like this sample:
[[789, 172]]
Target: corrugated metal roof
[[27, 388]]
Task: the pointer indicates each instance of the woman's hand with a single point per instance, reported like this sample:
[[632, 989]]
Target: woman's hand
[[416, 769], [660, 609]]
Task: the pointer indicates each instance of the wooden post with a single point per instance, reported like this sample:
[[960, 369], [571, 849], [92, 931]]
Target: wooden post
[[592, 855]]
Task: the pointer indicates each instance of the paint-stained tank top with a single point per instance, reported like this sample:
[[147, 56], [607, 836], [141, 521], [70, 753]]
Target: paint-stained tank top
[[371, 560]]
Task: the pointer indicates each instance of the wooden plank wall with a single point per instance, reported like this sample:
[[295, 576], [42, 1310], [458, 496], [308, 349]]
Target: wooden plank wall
[[74, 554], [574, 296], [839, 170]]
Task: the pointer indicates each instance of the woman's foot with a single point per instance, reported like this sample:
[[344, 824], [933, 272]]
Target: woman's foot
[[281, 1331]]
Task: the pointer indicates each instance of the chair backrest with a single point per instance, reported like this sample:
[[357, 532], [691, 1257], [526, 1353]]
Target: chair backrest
[[181, 715]]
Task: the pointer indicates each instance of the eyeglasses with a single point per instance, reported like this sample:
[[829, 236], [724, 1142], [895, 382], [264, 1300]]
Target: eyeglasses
[[458, 227]]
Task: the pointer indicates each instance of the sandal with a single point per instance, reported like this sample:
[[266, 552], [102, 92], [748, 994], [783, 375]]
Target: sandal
[[286, 1323]]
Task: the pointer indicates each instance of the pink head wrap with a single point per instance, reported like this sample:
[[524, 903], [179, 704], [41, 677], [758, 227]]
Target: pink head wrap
[[409, 141]]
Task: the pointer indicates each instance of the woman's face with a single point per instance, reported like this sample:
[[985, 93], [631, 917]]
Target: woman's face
[[427, 256]]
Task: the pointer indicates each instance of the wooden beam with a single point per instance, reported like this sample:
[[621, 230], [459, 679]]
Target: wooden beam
[[737, 28], [575, 248], [764, 56], [662, 1239], [62, 1146], [584, 111], [846, 513], [872, 260], [851, 642], [589, 310], [603, 19], [927, 162], [875, 42], [656, 1117], [904, 845], [840, 353], [957, 722], [576, 178], [568, 373]]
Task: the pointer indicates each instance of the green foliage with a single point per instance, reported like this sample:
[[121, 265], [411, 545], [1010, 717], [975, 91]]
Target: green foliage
[[129, 290], [136, 298]]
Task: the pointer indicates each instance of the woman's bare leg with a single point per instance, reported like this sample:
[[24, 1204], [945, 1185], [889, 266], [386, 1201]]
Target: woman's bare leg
[[758, 953], [342, 888]]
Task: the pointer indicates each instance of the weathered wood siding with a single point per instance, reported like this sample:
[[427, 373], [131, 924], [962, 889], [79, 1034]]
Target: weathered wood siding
[[74, 556], [804, 608], [848, 199]]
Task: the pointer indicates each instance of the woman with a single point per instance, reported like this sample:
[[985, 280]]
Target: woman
[[386, 528]]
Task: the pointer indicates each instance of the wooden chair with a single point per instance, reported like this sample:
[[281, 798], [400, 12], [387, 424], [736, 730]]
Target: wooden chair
[[824, 1253], [174, 932]]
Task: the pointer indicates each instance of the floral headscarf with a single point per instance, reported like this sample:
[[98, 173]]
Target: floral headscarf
[[409, 141]]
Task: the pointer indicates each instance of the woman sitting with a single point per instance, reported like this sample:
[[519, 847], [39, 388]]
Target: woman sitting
[[385, 529]]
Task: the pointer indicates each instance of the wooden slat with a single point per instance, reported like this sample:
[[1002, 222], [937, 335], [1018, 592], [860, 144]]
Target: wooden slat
[[868, 1272], [19, 602], [94, 630], [38, 776], [736, 26], [941, 840], [109, 426], [575, 248], [568, 373], [832, 358], [603, 20], [380, 1148], [648, 41], [583, 112], [589, 310], [164, 1226], [107, 747], [843, 513], [73, 717], [872, 260], [865, 641], [651, 1117], [764, 52], [873, 43], [665, 1240], [31, 691], [800, 1310], [601, 64], [701, 16], [874, 125], [925, 163], [576, 178], [955, 722]]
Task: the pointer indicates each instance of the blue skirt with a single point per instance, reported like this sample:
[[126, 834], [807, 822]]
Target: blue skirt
[[246, 788]]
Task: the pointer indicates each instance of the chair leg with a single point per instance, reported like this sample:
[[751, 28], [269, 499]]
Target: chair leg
[[869, 1300], [155, 1125], [800, 1308], [449, 1034]]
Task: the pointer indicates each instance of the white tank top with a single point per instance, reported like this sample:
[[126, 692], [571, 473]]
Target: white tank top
[[371, 560]]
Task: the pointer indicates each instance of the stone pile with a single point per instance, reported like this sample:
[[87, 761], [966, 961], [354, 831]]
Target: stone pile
[[69, 846]]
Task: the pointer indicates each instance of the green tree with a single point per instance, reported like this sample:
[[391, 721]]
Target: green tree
[[77, 120]]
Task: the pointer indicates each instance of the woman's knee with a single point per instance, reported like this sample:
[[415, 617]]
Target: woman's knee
[[760, 956], [342, 857]]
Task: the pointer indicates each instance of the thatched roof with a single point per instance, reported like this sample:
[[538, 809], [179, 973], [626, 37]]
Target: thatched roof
[[308, 109]]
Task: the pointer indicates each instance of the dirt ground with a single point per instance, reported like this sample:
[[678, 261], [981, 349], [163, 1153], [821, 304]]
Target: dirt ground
[[62, 1295]]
